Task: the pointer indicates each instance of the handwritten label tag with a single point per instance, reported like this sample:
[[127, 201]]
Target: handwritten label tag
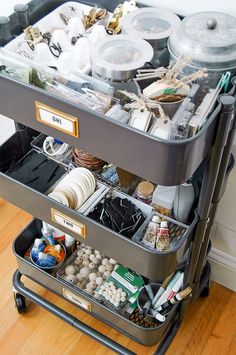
[[68, 223], [77, 300], [57, 119]]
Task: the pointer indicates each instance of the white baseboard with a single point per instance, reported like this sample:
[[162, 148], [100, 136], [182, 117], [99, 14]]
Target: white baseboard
[[223, 268]]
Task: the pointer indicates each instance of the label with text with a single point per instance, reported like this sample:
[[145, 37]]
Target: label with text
[[77, 300], [57, 119], [68, 223]]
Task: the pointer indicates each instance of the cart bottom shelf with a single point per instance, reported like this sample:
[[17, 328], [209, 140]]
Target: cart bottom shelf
[[145, 336]]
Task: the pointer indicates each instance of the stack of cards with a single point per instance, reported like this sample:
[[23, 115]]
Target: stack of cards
[[75, 188]]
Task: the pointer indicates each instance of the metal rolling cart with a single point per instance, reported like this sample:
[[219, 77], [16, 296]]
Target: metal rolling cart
[[209, 152]]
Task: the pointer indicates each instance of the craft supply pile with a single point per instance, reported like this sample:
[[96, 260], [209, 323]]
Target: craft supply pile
[[153, 216], [106, 281], [137, 65]]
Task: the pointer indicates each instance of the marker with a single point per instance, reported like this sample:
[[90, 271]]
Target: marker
[[157, 315], [176, 299], [162, 288], [166, 293], [177, 286]]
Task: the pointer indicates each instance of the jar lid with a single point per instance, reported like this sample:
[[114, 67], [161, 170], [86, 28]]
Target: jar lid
[[208, 37], [145, 188], [118, 57], [150, 23]]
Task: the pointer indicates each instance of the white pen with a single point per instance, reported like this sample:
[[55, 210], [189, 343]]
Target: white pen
[[164, 296]]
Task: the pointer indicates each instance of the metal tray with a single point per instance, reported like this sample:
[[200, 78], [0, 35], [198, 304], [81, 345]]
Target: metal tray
[[146, 336], [160, 161], [152, 264]]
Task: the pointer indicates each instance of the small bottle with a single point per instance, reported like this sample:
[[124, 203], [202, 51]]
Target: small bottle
[[144, 192], [22, 14], [70, 244], [150, 235], [47, 234], [38, 247], [163, 237], [45, 260], [163, 199], [5, 34]]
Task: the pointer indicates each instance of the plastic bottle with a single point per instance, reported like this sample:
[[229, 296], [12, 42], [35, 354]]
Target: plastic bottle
[[163, 199], [38, 247], [47, 234], [163, 237], [70, 244], [45, 260]]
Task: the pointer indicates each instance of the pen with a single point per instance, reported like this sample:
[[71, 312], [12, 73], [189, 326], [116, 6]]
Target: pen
[[162, 288], [176, 287], [166, 293], [176, 299]]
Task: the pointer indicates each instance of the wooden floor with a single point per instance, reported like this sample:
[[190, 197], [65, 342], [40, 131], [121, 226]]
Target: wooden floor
[[209, 328]]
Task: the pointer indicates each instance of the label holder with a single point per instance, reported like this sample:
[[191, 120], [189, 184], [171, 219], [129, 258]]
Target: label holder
[[68, 223], [57, 119], [79, 301]]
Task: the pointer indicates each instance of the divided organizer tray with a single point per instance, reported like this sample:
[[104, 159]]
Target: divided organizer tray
[[146, 336], [160, 161], [150, 263]]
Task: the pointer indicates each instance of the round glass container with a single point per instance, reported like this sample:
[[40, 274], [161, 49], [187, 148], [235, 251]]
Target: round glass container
[[117, 58], [155, 26], [210, 39]]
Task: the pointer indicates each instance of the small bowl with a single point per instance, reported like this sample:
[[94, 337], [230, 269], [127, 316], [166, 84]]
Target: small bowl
[[169, 108], [51, 269]]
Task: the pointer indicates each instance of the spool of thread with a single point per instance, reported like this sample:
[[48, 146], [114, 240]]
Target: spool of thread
[[5, 34], [22, 14]]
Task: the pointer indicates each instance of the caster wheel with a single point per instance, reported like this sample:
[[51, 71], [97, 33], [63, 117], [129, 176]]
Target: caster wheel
[[205, 292], [20, 303]]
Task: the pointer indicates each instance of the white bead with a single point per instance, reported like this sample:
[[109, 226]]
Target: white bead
[[84, 272], [98, 256], [92, 276], [123, 299], [70, 269], [102, 268], [112, 300], [85, 262], [106, 274], [111, 283], [91, 266], [88, 252], [105, 261], [89, 291], [91, 256], [99, 281], [103, 287], [78, 260], [113, 288], [96, 260], [79, 277], [123, 294], [71, 278], [80, 252], [85, 257], [120, 290], [116, 304], [113, 261], [96, 251], [109, 267], [100, 292]]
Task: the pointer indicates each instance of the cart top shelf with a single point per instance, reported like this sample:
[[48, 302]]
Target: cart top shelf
[[160, 161]]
